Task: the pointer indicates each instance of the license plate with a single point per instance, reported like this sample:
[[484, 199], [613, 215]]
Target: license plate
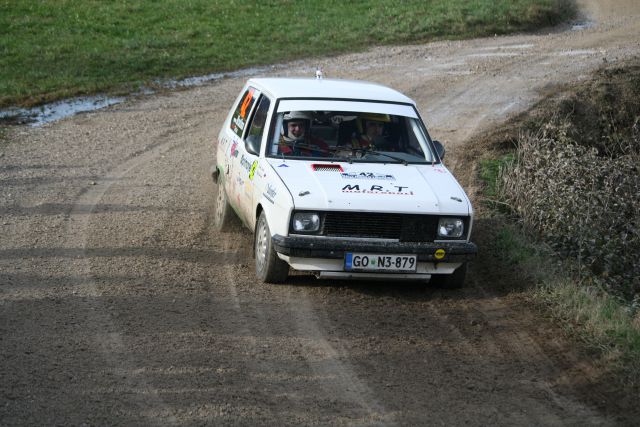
[[378, 262]]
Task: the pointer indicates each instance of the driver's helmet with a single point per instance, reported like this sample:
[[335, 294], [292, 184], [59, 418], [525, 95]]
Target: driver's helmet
[[363, 118], [290, 116]]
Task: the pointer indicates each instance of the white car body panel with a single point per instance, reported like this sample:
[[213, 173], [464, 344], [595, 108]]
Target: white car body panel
[[371, 107], [328, 89], [367, 187], [277, 185]]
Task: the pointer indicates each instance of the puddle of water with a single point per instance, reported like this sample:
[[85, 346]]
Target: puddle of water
[[579, 26], [583, 52], [459, 73], [433, 72], [38, 116], [511, 46], [200, 80], [362, 67], [47, 113], [493, 54], [450, 65]]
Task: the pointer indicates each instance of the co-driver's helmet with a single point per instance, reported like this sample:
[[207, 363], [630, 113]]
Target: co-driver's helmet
[[363, 118]]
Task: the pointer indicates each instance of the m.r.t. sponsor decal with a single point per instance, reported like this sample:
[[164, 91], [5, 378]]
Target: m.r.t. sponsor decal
[[401, 190]]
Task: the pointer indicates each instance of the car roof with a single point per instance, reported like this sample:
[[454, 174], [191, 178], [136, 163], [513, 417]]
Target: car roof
[[329, 89]]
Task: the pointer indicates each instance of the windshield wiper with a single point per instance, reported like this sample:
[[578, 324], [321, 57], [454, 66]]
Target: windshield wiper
[[366, 150]]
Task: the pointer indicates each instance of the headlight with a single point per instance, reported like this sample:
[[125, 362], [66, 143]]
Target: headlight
[[450, 227], [306, 222]]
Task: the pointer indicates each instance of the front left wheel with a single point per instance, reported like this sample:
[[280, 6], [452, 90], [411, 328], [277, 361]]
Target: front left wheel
[[269, 268]]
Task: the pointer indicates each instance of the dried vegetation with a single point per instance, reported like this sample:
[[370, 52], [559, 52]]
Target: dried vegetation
[[574, 180], [568, 172]]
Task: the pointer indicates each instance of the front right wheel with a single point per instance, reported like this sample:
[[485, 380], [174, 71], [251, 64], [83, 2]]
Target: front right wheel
[[269, 268]]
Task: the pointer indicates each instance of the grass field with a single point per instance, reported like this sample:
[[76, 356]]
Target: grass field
[[52, 49]]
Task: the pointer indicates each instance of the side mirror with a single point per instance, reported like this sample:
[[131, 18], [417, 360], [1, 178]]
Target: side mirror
[[252, 144], [439, 149]]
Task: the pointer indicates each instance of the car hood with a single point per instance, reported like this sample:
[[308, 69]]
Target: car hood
[[372, 187]]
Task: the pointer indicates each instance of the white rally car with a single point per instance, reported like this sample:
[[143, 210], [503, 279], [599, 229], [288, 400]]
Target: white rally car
[[341, 179]]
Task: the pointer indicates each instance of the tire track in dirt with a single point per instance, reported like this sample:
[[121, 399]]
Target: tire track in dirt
[[347, 384], [335, 379], [111, 344]]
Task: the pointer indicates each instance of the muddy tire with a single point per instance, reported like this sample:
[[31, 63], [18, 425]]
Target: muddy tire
[[223, 216], [451, 281], [269, 268]]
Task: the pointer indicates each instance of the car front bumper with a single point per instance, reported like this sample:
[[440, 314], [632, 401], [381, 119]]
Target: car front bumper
[[335, 248]]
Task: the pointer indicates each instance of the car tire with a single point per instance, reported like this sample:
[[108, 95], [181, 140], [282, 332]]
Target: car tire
[[223, 216], [451, 281], [269, 268]]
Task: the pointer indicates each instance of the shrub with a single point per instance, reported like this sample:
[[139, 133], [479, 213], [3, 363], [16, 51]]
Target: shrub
[[583, 200]]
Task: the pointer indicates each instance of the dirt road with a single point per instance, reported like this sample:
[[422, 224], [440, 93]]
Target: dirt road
[[119, 304]]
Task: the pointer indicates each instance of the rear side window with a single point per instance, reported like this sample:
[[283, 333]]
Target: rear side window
[[239, 119], [256, 128]]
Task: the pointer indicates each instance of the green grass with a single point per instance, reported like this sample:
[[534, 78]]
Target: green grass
[[513, 248], [489, 173], [599, 319], [51, 49]]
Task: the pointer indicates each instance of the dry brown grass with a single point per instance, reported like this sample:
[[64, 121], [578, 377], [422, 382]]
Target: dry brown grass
[[564, 175], [584, 204]]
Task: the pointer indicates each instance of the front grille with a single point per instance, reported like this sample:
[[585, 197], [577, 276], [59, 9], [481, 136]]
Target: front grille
[[360, 224], [405, 228]]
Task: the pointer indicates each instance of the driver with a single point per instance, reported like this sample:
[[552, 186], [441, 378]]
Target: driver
[[372, 128], [295, 139]]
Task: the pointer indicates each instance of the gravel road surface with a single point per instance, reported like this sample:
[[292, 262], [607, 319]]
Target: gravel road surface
[[119, 303]]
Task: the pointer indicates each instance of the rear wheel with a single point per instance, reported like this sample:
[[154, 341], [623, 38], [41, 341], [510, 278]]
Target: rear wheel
[[269, 268], [223, 215], [451, 281]]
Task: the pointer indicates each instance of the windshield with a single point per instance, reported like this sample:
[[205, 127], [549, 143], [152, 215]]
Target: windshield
[[350, 136]]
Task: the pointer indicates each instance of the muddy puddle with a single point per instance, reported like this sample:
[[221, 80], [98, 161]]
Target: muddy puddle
[[56, 110], [51, 112]]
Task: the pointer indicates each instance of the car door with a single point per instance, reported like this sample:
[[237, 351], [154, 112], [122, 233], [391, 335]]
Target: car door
[[240, 161], [255, 139], [248, 169]]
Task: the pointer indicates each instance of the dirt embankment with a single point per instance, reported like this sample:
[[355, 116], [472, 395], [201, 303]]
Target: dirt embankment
[[119, 304]]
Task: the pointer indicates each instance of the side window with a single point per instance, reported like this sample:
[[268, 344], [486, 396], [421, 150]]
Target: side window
[[256, 128], [239, 119]]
